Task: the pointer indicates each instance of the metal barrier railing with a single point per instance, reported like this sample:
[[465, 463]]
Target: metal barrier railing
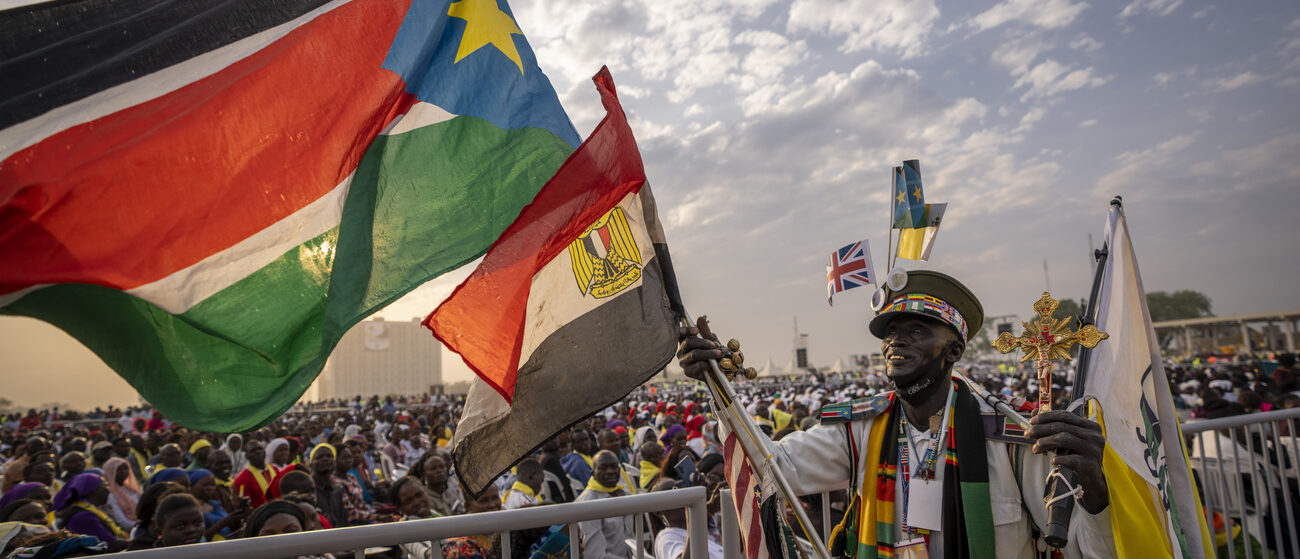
[[359, 538], [1247, 468], [1248, 471]]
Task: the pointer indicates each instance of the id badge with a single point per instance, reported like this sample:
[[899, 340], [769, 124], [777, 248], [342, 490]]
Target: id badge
[[912, 549], [925, 504]]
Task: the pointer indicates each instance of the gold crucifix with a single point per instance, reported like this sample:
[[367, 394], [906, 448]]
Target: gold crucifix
[[1048, 339]]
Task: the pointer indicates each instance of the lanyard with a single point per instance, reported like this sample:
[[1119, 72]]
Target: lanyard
[[927, 468]]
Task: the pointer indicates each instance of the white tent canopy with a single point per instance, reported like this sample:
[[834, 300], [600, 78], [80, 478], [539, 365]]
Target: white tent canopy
[[838, 367]]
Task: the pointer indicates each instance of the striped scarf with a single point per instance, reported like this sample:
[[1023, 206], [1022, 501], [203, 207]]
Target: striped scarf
[[968, 526]]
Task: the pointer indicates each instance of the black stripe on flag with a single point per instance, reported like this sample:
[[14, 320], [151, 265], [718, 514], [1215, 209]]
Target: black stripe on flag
[[55, 53], [584, 365]]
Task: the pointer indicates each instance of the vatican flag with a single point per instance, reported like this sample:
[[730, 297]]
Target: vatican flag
[[1154, 506], [915, 244]]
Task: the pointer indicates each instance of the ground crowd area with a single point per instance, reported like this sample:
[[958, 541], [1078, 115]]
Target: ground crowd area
[[109, 480]]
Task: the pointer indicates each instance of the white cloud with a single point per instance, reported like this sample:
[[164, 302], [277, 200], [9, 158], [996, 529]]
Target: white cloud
[[1085, 43], [1016, 55], [1163, 79], [900, 26], [1088, 123], [1157, 8], [1048, 14], [1243, 79], [1136, 167], [1269, 162], [1051, 78], [1027, 122], [1203, 12]]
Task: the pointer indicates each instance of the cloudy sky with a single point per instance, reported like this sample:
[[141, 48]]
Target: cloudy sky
[[769, 128]]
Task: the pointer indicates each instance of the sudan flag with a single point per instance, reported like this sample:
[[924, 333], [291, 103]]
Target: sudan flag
[[208, 194], [573, 307]]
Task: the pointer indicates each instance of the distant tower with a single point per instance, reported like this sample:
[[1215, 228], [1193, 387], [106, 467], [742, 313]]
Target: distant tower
[[800, 347]]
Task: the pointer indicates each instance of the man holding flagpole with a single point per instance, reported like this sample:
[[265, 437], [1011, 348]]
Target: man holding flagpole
[[932, 473]]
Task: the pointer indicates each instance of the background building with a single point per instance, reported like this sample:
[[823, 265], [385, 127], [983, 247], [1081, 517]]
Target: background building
[[381, 357]]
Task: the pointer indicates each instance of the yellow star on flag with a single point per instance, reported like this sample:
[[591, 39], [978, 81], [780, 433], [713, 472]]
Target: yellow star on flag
[[486, 24], [901, 199], [917, 193]]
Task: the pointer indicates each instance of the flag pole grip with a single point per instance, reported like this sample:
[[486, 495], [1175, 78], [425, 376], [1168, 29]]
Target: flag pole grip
[[752, 441]]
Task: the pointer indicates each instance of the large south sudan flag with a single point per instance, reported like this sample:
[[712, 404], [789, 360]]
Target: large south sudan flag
[[574, 306], [208, 194]]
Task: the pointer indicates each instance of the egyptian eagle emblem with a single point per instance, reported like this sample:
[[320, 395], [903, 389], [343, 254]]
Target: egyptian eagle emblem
[[605, 258]]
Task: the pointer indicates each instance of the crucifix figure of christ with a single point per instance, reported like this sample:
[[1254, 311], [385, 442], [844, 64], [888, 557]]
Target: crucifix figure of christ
[[1047, 339]]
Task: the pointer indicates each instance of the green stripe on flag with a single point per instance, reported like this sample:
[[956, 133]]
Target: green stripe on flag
[[421, 203]]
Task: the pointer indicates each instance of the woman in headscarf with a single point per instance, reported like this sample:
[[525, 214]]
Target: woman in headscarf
[[174, 475], [123, 492], [694, 438], [278, 453], [673, 437], [199, 452], [80, 504], [218, 523], [234, 446], [33, 490]]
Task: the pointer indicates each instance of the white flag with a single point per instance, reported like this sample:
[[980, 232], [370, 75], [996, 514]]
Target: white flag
[[1154, 507]]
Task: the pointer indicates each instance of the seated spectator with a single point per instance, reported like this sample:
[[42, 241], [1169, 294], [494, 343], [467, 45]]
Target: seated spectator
[[359, 513], [652, 455], [254, 481], [178, 520], [274, 518], [218, 522], [527, 487], [412, 504], [234, 447], [671, 541], [329, 496], [71, 464], [432, 470], [478, 546], [277, 453], [604, 538], [123, 492], [24, 510], [578, 464], [169, 456], [29, 490], [199, 452], [42, 472], [174, 475], [80, 505], [307, 502], [144, 536]]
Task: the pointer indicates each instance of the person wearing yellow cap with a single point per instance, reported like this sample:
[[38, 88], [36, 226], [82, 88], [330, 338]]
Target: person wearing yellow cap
[[329, 496], [199, 452], [961, 486]]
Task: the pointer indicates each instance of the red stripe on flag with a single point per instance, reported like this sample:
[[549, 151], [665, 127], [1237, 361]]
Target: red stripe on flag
[[483, 320], [740, 479], [129, 198]]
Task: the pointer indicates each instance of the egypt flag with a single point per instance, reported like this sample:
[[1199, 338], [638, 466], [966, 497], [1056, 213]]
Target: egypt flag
[[573, 307], [209, 194]]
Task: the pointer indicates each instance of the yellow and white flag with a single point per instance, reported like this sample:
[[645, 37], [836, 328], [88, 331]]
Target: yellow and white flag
[[915, 244], [1155, 508]]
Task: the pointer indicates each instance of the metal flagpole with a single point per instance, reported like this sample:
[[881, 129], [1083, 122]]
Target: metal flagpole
[[754, 444]]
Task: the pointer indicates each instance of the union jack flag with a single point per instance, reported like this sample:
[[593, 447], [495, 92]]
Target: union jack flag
[[849, 267]]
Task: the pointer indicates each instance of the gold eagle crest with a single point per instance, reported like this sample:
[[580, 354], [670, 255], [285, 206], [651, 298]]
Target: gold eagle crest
[[605, 258]]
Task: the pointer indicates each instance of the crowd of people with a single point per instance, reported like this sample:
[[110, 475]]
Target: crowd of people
[[114, 480]]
